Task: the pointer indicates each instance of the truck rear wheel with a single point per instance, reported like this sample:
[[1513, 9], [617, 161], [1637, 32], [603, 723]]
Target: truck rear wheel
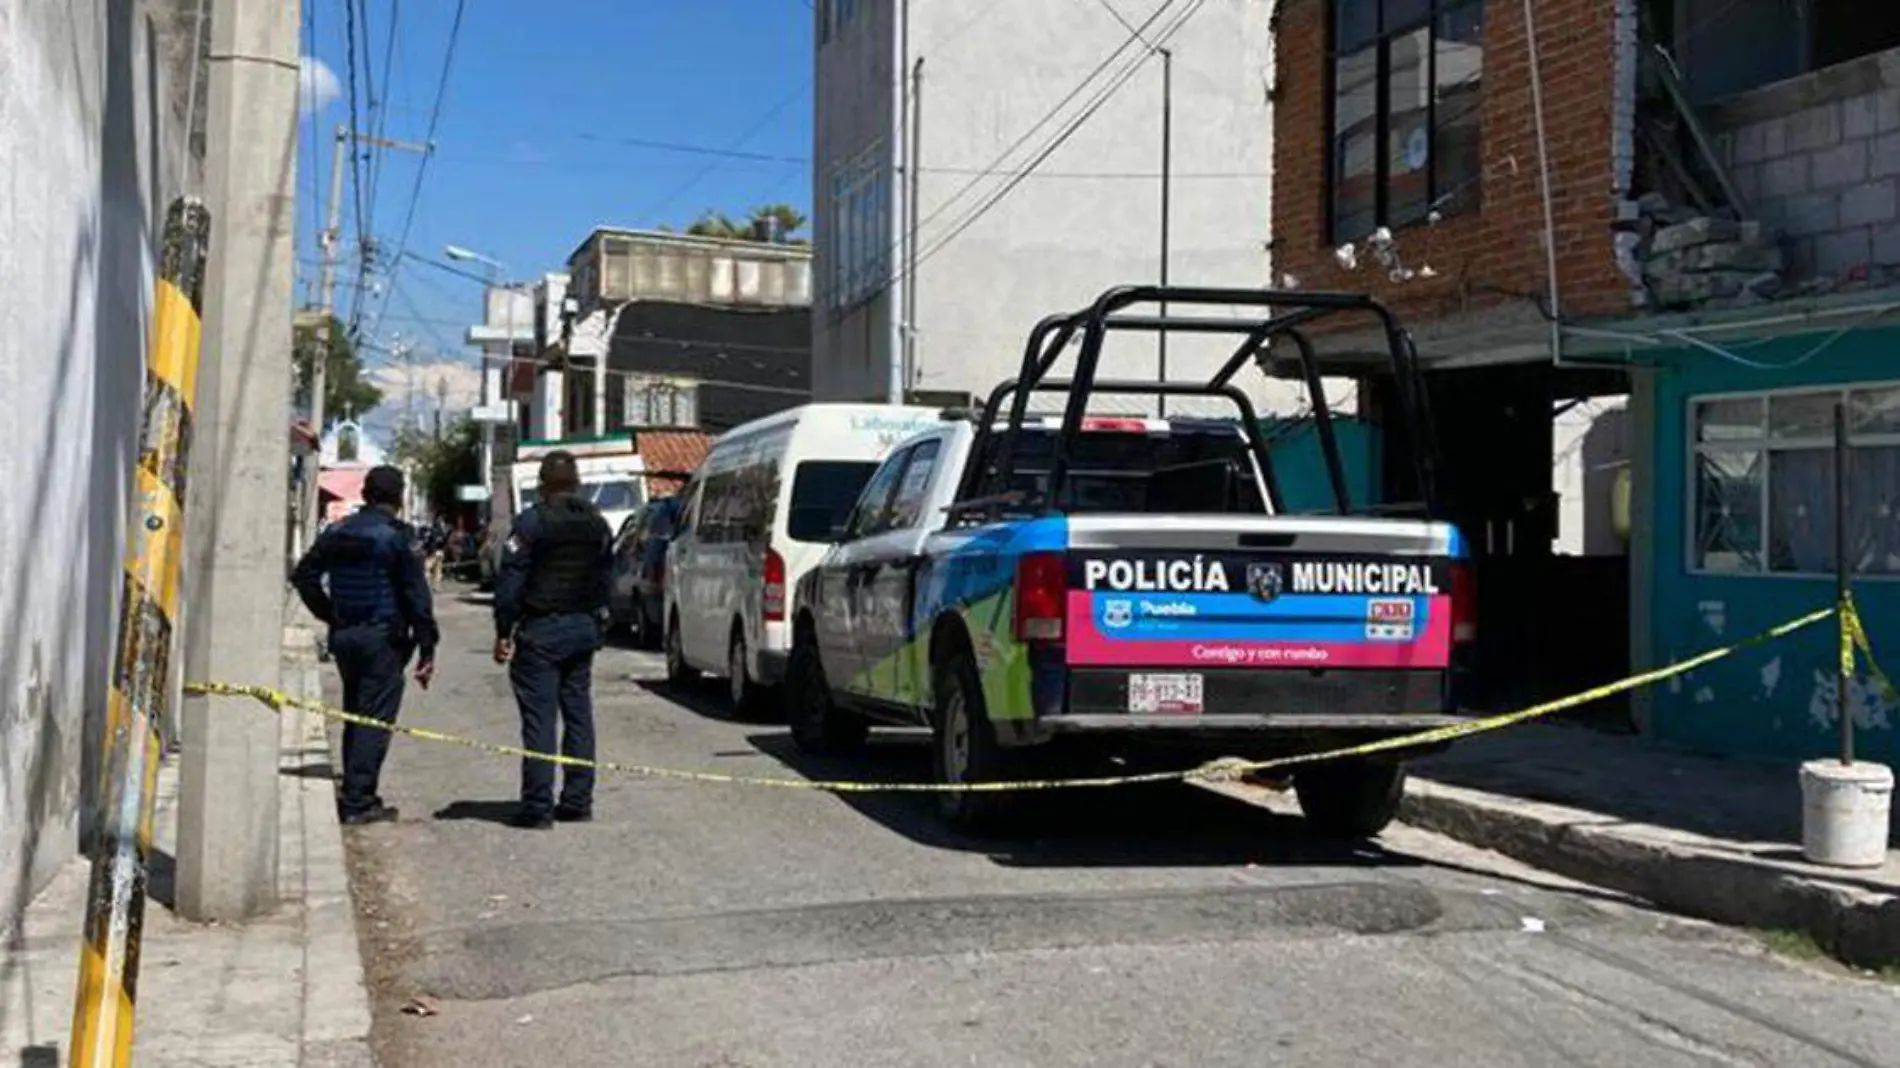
[[966, 750], [1350, 798], [819, 726]]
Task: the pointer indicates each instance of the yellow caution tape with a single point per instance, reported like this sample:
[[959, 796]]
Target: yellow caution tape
[[1853, 636], [1214, 771]]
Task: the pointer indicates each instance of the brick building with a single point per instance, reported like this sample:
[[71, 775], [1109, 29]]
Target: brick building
[[1697, 232], [1421, 74]]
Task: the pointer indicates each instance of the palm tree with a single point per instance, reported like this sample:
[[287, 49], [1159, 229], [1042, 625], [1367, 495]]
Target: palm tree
[[713, 223], [785, 219], [780, 221]]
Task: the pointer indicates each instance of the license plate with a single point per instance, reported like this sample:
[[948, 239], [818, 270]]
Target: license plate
[[1165, 694]]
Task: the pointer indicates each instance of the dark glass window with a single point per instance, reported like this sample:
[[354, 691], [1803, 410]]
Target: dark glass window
[[823, 493], [1407, 86]]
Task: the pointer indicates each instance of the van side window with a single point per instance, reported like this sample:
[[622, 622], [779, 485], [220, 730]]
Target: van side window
[[689, 509], [755, 500], [907, 507], [715, 509]]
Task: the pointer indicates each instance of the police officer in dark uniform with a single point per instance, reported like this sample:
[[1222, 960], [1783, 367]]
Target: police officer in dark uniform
[[379, 612], [550, 608]]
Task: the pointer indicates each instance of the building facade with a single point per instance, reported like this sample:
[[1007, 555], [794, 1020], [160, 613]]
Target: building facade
[[663, 329], [977, 169], [1644, 248]]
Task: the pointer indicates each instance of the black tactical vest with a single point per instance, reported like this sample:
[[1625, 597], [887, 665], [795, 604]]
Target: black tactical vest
[[569, 572]]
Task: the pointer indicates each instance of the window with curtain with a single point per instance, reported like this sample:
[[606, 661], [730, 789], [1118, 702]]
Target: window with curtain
[[1407, 85], [1763, 481]]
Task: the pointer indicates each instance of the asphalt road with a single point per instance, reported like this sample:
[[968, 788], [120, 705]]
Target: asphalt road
[[697, 926]]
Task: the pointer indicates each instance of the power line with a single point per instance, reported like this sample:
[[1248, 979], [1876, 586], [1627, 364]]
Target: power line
[[379, 104], [766, 158], [685, 342], [1069, 130], [1119, 17], [1050, 115], [693, 150], [422, 167], [356, 174], [712, 165], [355, 16]]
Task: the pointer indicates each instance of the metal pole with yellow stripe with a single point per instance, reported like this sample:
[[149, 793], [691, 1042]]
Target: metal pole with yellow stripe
[[141, 690]]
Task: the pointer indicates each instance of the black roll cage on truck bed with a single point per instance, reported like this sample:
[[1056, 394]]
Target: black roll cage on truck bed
[[1282, 313]]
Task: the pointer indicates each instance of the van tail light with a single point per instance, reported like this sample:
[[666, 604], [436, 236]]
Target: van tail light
[[1042, 589], [774, 587], [1464, 605]]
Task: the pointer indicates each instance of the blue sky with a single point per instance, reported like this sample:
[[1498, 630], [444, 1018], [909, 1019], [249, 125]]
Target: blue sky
[[526, 162]]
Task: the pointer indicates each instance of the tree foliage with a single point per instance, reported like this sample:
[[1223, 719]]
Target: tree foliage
[[787, 220], [440, 464], [347, 390]]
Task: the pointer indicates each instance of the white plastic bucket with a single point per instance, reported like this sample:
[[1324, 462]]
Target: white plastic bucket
[[1844, 813]]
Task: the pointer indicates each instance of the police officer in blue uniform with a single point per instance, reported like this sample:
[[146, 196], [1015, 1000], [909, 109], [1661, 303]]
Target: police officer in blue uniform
[[550, 617], [379, 612]]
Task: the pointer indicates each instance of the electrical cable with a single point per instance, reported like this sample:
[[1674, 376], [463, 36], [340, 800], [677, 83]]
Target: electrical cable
[[422, 167]]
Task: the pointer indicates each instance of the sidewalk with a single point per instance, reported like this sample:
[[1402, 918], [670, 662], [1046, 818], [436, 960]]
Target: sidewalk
[[1715, 839], [286, 990]]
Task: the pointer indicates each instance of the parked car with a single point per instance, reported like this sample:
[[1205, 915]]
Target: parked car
[[760, 512], [637, 595]]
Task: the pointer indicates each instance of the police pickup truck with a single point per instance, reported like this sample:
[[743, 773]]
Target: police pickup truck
[[1033, 585]]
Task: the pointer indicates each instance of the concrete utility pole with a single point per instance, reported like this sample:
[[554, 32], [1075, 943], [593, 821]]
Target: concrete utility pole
[[227, 807], [320, 360], [346, 142]]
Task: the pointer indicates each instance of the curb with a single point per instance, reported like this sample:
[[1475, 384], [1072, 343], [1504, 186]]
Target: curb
[[336, 1013], [1682, 873]]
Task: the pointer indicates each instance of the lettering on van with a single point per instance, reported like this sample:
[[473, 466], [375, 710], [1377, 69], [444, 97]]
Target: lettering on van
[[1366, 577], [1197, 574], [902, 428]]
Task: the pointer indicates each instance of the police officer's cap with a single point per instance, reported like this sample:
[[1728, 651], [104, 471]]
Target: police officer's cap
[[383, 485]]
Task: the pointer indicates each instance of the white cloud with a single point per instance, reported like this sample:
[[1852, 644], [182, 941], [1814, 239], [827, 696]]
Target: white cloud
[[460, 382], [317, 86]]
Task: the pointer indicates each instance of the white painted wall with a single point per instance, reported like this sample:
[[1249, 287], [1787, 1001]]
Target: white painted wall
[[1589, 446], [92, 146], [1090, 217]]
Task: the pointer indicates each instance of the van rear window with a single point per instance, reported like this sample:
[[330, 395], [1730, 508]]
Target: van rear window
[[823, 493]]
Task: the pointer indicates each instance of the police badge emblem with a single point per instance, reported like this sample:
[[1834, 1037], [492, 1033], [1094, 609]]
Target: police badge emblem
[[1118, 613], [1265, 581]]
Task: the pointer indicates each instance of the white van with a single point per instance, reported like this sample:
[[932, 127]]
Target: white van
[[759, 513]]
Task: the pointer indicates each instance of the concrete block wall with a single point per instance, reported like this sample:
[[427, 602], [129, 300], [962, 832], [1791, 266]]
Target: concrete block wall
[[1817, 159]]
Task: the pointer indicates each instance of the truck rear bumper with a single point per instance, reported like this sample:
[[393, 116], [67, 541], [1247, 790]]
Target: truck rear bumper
[[1252, 710], [1268, 721], [1335, 697]]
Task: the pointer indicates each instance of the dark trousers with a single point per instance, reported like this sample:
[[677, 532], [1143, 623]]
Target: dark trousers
[[370, 659], [553, 676]]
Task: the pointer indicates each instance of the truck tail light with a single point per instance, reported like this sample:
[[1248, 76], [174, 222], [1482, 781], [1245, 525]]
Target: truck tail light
[[774, 587], [1464, 604], [1115, 424], [1042, 588]]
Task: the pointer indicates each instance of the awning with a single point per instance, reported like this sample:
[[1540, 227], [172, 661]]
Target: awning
[[343, 483]]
